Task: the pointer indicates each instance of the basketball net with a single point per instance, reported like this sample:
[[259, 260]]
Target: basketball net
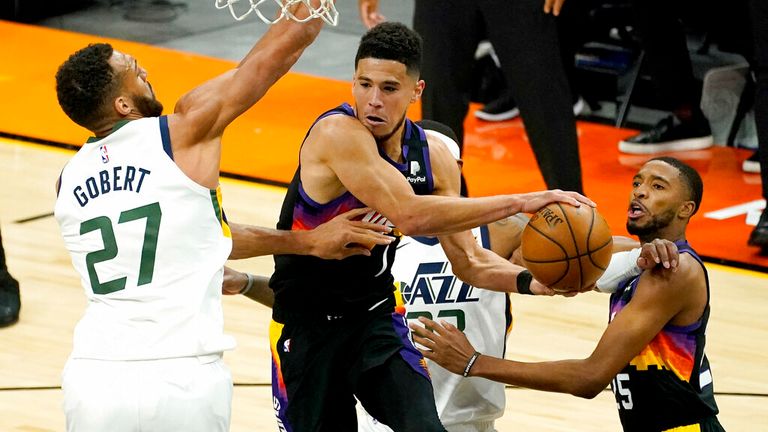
[[325, 11]]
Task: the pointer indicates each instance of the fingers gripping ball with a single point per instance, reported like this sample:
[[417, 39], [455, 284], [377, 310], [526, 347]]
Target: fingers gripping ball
[[567, 248]]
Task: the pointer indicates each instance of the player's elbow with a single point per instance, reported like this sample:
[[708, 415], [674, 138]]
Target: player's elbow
[[465, 269], [588, 385], [411, 223], [588, 390]]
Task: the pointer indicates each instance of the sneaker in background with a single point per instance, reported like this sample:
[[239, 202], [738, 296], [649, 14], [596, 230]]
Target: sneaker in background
[[759, 235], [499, 109], [505, 108], [10, 302], [669, 135], [751, 164]]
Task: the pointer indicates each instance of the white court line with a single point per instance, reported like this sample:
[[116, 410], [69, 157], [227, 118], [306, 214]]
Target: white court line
[[736, 210]]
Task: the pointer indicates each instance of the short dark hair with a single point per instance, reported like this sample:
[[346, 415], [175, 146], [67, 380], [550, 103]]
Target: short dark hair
[[392, 41], [690, 176], [85, 82]]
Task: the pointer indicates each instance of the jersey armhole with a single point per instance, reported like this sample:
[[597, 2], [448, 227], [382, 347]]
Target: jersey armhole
[[165, 136]]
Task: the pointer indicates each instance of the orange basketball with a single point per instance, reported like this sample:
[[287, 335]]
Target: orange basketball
[[567, 247]]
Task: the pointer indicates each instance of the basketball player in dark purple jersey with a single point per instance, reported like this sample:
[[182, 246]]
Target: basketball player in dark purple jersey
[[652, 353], [334, 334]]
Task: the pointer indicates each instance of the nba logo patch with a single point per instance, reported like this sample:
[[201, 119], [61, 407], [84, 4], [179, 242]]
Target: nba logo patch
[[287, 345], [104, 154]]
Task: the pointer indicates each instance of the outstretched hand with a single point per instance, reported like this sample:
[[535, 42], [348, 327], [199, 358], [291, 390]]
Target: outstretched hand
[[342, 236], [658, 251], [553, 6], [445, 344], [534, 201], [369, 13]]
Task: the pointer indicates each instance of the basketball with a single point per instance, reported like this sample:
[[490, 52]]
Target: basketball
[[567, 248]]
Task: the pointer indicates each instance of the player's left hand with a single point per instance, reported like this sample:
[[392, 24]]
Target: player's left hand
[[344, 236], [539, 289], [658, 251], [445, 344]]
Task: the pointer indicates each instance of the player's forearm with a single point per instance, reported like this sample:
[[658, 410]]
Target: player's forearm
[[433, 215], [289, 38], [252, 241], [565, 376], [261, 292], [271, 58], [485, 269], [255, 287]]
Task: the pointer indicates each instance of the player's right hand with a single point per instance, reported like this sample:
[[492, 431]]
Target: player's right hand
[[369, 13], [342, 236], [443, 343], [534, 201]]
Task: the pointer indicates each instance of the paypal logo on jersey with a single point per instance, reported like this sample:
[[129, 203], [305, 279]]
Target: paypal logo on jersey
[[415, 167], [435, 284]]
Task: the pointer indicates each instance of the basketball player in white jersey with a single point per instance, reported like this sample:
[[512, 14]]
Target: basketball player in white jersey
[[140, 212]]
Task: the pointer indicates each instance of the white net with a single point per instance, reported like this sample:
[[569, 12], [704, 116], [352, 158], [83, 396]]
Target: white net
[[325, 10]]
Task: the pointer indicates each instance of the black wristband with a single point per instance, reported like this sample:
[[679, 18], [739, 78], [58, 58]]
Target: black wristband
[[524, 279], [471, 363]]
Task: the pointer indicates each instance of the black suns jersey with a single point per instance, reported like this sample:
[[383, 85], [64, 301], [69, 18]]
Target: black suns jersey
[[312, 286], [669, 383]]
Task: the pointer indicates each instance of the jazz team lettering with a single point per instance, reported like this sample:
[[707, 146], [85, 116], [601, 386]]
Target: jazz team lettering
[[434, 286], [119, 178]]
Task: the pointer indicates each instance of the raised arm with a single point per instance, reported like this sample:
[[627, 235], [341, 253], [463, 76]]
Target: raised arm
[[662, 296], [340, 147], [208, 109]]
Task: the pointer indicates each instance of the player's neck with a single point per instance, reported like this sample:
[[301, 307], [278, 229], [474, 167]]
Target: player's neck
[[670, 233], [393, 145], [110, 127]]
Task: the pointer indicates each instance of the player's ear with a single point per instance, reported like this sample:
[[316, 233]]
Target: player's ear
[[123, 106], [687, 208], [418, 91]]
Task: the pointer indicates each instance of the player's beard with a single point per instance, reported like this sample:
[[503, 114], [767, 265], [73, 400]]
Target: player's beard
[[148, 106], [384, 138], [652, 228]]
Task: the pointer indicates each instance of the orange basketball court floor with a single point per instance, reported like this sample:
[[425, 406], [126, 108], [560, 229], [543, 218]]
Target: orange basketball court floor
[[263, 144]]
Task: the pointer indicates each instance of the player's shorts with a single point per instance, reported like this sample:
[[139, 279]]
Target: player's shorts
[[320, 363], [366, 423], [710, 424], [188, 394]]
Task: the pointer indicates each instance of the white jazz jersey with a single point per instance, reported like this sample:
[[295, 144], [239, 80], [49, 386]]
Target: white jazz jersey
[[429, 288], [149, 244]]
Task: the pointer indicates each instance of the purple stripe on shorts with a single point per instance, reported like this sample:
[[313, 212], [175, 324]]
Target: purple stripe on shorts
[[409, 353], [279, 399]]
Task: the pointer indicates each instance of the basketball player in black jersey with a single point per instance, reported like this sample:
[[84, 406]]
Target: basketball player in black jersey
[[652, 352], [334, 332]]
